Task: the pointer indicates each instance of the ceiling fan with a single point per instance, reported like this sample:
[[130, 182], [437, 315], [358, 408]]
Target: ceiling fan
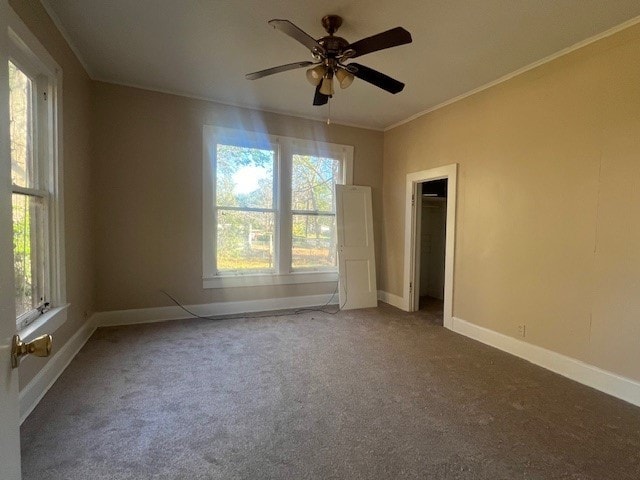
[[330, 53]]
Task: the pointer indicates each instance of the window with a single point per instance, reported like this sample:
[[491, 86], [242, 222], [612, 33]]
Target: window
[[269, 208], [37, 249], [245, 209], [313, 210], [28, 201]]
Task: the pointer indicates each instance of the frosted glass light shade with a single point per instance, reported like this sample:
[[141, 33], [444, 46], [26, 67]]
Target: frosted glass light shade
[[344, 78], [315, 74], [327, 86]]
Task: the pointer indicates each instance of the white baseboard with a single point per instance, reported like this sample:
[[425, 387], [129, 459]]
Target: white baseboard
[[161, 314], [391, 299], [608, 382], [33, 392]]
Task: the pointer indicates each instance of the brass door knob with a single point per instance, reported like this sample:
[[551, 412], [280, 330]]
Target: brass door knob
[[40, 347]]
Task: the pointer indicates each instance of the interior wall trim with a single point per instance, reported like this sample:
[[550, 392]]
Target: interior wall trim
[[608, 382], [161, 314], [391, 299], [411, 289], [33, 392]]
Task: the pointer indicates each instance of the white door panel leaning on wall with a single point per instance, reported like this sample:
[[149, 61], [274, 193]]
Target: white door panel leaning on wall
[[356, 253]]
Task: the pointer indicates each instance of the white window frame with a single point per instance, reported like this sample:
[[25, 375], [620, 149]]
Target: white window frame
[[30, 56], [284, 148], [315, 149]]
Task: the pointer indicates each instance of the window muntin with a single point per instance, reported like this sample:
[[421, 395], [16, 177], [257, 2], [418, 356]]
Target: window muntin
[[313, 228]]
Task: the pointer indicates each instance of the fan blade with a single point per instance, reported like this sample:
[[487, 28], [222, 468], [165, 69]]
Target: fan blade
[[285, 26], [376, 78], [320, 98], [390, 38], [281, 68]]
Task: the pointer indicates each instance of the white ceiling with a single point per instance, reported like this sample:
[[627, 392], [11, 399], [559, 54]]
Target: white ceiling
[[203, 48]]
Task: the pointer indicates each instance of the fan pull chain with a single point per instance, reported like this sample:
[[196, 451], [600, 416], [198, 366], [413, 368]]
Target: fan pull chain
[[329, 115]]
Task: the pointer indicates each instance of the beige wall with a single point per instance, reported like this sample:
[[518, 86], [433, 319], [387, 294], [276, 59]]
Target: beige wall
[[548, 226], [76, 104], [148, 193]]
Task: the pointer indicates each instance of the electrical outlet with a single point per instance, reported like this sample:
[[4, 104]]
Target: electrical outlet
[[522, 330]]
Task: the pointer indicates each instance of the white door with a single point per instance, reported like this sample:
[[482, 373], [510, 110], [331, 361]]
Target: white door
[[356, 255], [9, 411]]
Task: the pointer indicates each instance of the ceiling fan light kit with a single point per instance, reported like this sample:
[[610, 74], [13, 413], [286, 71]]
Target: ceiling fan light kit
[[344, 78], [316, 74], [327, 85], [329, 54]]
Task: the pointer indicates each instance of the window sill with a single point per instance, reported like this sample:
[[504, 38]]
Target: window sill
[[255, 280], [48, 322]]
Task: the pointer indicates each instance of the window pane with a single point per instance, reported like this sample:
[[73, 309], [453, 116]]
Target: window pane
[[312, 183], [314, 240], [245, 240], [28, 251], [21, 128], [244, 177]]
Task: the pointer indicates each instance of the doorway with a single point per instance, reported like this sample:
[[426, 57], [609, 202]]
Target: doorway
[[431, 221], [426, 182]]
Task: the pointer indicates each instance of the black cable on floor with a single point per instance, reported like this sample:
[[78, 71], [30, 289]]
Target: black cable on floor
[[320, 309]]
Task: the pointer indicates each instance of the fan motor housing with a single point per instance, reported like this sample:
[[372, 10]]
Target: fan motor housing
[[333, 45]]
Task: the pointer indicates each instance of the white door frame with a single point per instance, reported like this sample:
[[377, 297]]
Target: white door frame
[[412, 230]]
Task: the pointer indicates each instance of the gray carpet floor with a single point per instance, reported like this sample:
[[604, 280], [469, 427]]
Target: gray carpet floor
[[368, 394]]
